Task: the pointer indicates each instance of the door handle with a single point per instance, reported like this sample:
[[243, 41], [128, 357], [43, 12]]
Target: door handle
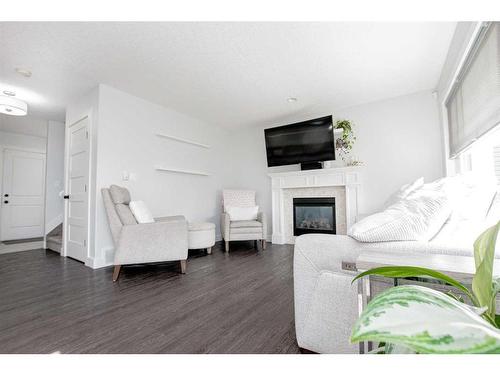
[[66, 197], [5, 202]]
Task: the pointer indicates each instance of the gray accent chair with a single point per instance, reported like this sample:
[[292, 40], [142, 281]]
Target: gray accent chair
[[242, 230], [164, 240]]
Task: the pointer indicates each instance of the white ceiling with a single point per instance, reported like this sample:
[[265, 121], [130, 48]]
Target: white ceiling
[[229, 74]]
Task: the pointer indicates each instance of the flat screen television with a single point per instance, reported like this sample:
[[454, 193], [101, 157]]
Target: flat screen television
[[303, 142]]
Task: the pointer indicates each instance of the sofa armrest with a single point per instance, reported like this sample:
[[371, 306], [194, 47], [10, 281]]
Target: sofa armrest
[[152, 242], [262, 217], [169, 218], [224, 226]]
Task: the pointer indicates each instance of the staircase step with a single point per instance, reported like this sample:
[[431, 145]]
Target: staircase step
[[55, 239]]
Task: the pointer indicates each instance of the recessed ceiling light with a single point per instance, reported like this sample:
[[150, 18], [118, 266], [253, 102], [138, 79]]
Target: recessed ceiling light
[[10, 105], [24, 72], [291, 100]]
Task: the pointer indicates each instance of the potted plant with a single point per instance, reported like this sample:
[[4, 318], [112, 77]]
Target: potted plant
[[416, 319], [345, 142]]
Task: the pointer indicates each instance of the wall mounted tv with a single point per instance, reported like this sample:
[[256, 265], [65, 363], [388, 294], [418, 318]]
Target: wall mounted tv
[[306, 142]]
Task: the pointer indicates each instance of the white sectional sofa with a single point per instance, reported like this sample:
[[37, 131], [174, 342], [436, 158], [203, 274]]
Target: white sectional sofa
[[326, 305]]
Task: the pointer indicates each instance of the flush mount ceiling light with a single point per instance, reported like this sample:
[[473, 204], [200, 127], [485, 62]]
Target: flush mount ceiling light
[[291, 100], [24, 72], [12, 106]]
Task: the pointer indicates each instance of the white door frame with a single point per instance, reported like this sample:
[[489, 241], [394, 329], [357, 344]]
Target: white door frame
[[17, 148], [88, 115]]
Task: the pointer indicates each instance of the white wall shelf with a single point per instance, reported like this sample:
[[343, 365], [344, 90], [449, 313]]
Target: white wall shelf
[[184, 171], [183, 140]]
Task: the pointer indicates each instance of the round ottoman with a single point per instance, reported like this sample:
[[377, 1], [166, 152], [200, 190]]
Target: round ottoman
[[201, 236]]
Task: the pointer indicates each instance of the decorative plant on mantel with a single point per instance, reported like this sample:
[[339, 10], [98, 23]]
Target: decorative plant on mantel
[[416, 319], [345, 142]]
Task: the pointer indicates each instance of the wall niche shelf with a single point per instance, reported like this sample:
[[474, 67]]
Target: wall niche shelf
[[184, 171], [183, 140]]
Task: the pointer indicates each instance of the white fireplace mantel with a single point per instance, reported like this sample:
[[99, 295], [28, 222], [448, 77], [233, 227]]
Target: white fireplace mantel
[[348, 177]]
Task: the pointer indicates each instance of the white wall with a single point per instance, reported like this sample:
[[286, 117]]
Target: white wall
[[126, 141], [397, 139], [26, 125], [16, 140], [54, 204]]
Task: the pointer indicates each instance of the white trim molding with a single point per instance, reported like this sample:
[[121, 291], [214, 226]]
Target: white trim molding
[[348, 178]]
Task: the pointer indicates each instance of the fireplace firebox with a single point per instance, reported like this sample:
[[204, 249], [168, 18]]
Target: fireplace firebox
[[313, 215]]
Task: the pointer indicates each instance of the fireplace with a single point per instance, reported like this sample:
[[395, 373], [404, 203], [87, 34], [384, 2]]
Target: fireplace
[[313, 215]]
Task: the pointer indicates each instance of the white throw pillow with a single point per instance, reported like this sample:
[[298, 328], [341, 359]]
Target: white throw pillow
[[242, 213], [141, 212], [470, 194], [404, 191], [418, 217]]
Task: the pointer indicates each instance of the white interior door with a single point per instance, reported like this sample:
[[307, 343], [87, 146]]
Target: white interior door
[[23, 195], [77, 196]]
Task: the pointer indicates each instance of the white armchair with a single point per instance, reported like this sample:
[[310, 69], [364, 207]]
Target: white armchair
[[242, 230], [164, 240]]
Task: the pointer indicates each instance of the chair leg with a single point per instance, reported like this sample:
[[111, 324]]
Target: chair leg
[[209, 250], [183, 266], [116, 273], [227, 246], [255, 244], [263, 244]]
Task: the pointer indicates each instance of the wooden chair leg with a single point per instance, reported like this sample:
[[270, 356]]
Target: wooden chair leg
[[183, 266], [255, 244], [209, 250], [116, 273], [263, 244], [227, 246]]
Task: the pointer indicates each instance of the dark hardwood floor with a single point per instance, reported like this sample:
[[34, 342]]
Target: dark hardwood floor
[[241, 302]]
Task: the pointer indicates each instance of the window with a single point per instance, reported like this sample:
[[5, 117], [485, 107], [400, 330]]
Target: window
[[473, 106], [483, 157]]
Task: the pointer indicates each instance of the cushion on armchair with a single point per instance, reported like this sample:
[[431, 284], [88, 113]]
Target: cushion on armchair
[[141, 212], [242, 213]]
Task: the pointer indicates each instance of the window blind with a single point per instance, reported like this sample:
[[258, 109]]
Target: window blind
[[496, 163], [473, 105]]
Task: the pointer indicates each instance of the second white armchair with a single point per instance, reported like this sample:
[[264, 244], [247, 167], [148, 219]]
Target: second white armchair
[[242, 230]]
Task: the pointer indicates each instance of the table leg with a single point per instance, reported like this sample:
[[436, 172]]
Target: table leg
[[364, 296]]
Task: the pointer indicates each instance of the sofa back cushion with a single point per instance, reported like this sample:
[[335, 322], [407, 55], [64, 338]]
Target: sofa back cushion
[[404, 191]]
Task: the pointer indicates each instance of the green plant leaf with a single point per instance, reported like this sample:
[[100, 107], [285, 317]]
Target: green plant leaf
[[409, 271], [484, 255], [425, 321], [397, 349]]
